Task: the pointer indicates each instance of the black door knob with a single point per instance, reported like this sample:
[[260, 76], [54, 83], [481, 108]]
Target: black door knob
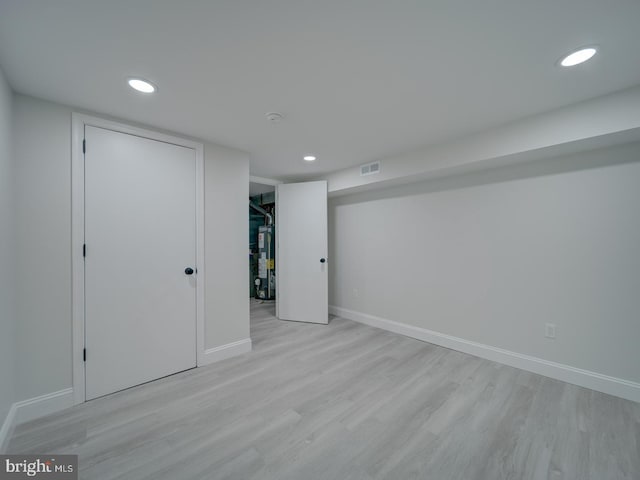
[[188, 271], [322, 260]]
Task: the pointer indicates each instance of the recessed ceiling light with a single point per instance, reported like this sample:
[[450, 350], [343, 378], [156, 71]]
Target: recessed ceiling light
[[309, 158], [141, 85], [578, 57]]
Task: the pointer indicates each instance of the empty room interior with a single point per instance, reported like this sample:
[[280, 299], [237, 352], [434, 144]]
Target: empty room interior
[[351, 240]]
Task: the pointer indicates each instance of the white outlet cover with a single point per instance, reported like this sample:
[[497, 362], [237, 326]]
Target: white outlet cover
[[550, 330]]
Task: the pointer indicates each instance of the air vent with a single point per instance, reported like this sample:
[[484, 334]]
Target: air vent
[[370, 168]]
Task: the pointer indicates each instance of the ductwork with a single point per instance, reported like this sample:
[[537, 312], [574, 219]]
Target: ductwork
[[268, 216]]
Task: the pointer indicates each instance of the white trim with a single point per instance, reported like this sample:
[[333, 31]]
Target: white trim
[[77, 260], [7, 429], [32, 408], [79, 121], [277, 252], [264, 181], [200, 276], [227, 351], [37, 407], [577, 376]]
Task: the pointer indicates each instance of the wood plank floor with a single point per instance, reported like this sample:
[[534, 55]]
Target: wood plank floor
[[346, 402]]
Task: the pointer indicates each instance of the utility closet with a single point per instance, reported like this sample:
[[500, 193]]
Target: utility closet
[[262, 246]]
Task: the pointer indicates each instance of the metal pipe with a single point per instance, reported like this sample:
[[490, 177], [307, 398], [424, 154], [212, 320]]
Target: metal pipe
[[261, 210]]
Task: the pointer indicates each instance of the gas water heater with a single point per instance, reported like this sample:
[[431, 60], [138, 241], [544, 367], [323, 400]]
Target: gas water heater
[[266, 263]]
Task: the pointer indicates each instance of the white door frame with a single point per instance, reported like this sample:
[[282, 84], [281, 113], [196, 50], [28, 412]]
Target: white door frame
[[79, 121]]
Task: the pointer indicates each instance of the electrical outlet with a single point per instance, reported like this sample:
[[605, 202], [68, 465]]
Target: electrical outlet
[[550, 330], [356, 293]]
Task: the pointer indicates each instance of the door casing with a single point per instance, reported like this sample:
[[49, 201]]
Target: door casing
[[79, 121]]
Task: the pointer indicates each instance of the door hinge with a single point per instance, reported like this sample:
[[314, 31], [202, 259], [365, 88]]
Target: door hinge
[[84, 354], [84, 249], [84, 146]]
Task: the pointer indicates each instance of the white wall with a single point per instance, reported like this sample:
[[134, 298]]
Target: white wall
[[7, 266], [42, 145], [42, 132], [227, 230], [492, 257]]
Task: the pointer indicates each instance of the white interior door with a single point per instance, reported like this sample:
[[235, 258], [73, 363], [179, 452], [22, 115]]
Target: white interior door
[[140, 235], [301, 230]]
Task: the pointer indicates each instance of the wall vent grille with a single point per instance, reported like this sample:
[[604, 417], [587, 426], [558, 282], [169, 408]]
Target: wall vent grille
[[369, 169]]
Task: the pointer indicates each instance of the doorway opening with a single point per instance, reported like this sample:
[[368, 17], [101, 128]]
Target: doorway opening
[[288, 241], [262, 241]]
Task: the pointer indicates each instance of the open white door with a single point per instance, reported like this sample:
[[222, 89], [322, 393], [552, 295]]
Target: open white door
[[302, 283]]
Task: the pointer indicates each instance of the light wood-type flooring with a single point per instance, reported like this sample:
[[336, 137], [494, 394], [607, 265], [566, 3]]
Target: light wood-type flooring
[[346, 402]]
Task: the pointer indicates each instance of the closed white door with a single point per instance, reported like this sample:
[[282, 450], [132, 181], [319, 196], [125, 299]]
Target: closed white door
[[301, 230], [140, 236]]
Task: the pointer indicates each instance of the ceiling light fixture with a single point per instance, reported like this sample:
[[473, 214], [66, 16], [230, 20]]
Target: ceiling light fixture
[[578, 57], [143, 86], [309, 158]]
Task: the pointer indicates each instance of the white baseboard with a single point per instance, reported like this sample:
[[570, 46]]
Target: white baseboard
[[577, 376], [32, 408], [37, 407], [223, 352]]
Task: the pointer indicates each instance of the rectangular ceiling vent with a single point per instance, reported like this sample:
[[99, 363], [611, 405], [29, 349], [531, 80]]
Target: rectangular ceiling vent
[[369, 169]]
